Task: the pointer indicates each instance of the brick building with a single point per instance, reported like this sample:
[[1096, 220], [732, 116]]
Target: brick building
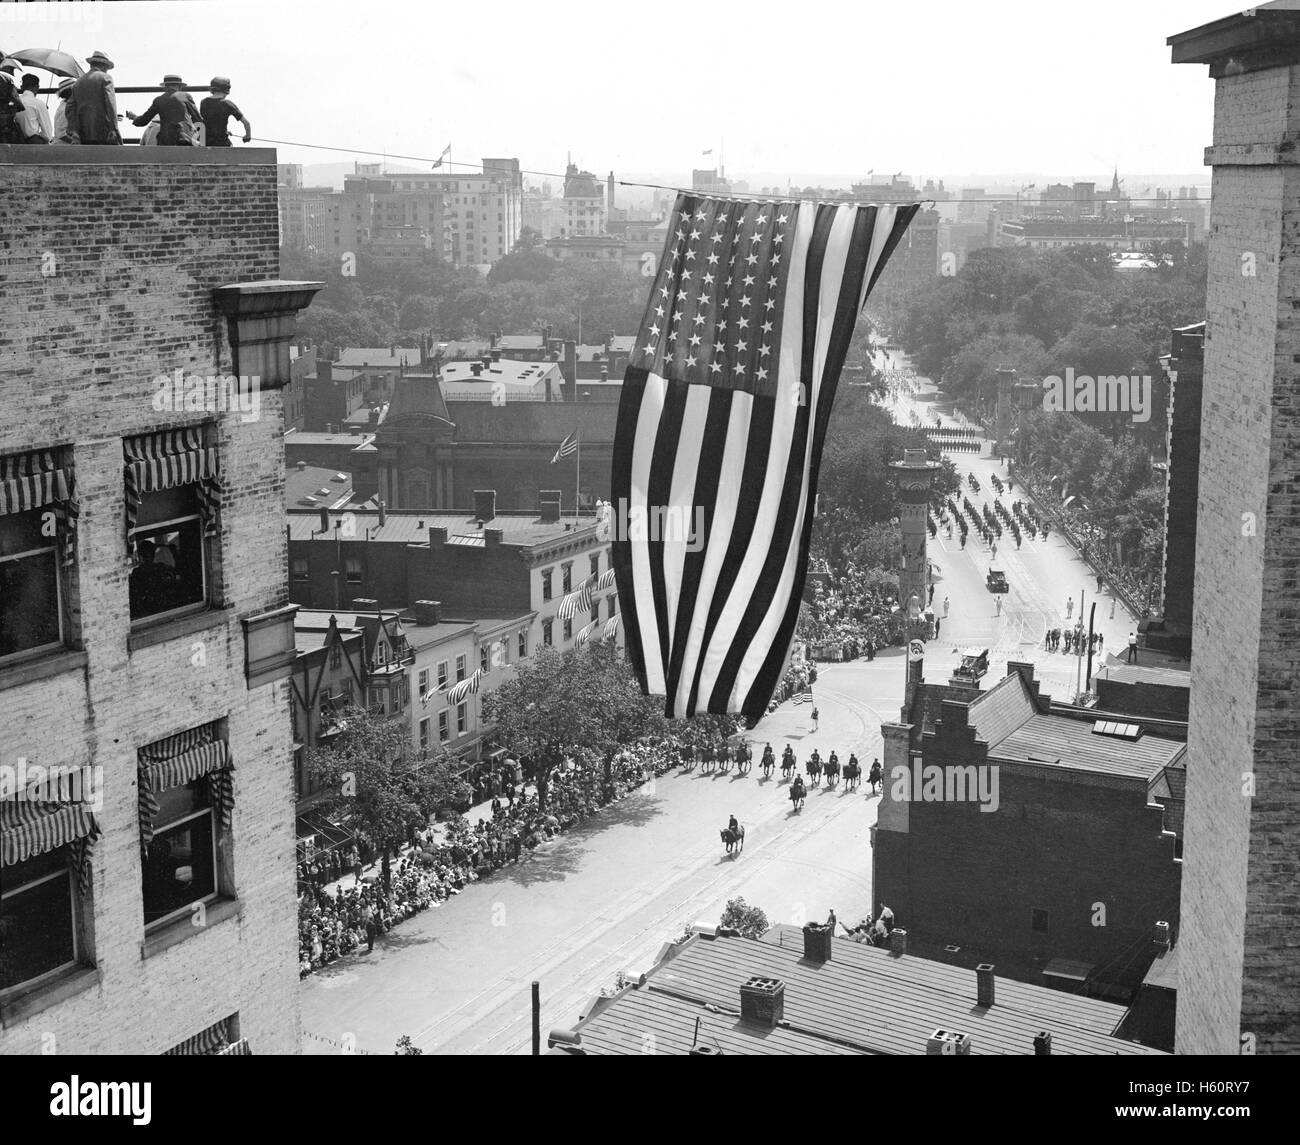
[[146, 642], [1239, 974], [1055, 813], [512, 567]]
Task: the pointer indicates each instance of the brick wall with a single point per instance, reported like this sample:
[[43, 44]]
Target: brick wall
[[136, 249], [1182, 491], [1239, 967]]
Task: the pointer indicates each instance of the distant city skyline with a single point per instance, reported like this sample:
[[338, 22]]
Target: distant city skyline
[[1093, 95]]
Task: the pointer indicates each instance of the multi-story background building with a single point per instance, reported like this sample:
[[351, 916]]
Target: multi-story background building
[[148, 902]]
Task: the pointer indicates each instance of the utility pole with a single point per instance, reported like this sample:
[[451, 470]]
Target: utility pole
[[1078, 677]]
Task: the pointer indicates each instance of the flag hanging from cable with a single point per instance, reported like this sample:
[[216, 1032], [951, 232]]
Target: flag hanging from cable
[[467, 687], [584, 634], [567, 447], [722, 420], [445, 152]]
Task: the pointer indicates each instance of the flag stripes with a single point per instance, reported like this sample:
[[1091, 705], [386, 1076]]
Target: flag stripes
[[710, 629]]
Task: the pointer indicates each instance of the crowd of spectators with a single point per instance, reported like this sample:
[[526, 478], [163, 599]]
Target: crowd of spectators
[[442, 863]]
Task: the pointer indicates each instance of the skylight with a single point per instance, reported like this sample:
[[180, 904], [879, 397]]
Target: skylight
[[1117, 729]]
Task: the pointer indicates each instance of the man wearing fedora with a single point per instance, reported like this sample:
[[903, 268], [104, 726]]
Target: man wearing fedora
[[176, 114], [218, 110], [92, 106]]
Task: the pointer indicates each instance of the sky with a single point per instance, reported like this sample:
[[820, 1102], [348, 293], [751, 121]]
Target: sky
[[814, 93]]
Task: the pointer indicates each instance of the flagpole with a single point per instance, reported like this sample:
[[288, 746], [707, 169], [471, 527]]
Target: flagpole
[[577, 473]]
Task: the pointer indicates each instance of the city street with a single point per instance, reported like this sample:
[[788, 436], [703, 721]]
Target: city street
[[607, 896]]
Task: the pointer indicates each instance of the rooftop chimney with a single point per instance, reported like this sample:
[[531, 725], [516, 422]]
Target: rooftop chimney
[[817, 941], [984, 984], [548, 501], [427, 611], [324, 371], [1162, 936], [1042, 1043], [570, 370], [485, 504], [898, 941], [762, 1000], [949, 1043], [437, 536], [699, 1050], [383, 514], [364, 604], [496, 355], [324, 520], [301, 466], [493, 536], [476, 368]]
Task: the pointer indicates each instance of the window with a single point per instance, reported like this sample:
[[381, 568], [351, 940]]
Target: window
[[173, 497], [424, 734], [523, 644], [336, 655], [567, 579], [300, 570], [460, 667], [442, 675], [1039, 921], [168, 553], [462, 719], [180, 865], [352, 565], [347, 693], [31, 606], [444, 732], [612, 603], [423, 685], [546, 632], [595, 564], [568, 630], [38, 917], [377, 700], [399, 695], [483, 663], [595, 611], [546, 585]]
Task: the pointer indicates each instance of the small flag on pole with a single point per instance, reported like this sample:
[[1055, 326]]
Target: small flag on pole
[[445, 152], [568, 446], [467, 687]]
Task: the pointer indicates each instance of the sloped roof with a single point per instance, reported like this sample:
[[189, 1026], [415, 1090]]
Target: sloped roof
[[1078, 748], [864, 1000], [417, 398], [995, 714]]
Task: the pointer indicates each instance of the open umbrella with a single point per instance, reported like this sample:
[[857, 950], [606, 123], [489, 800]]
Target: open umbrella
[[50, 60]]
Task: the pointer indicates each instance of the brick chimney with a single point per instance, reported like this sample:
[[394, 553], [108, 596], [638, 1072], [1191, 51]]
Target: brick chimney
[[492, 537], [762, 1000], [984, 984], [476, 368], [427, 611], [485, 504], [548, 501], [437, 536], [1042, 1043], [898, 942], [364, 604], [1162, 936], [817, 941]]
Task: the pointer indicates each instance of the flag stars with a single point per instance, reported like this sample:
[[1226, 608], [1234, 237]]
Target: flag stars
[[690, 254], [660, 311], [719, 347], [681, 296], [739, 367], [742, 346], [749, 280], [718, 236], [721, 325], [769, 304], [778, 237], [698, 319], [761, 374], [654, 330], [696, 339], [713, 258], [782, 219], [776, 258], [701, 214], [756, 239], [690, 359], [752, 259], [767, 327], [708, 281], [677, 314], [763, 351], [744, 300], [681, 235], [744, 322], [771, 282], [694, 235], [714, 367], [685, 275]]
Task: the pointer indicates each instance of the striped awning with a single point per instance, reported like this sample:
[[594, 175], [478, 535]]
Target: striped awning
[[467, 687], [34, 480], [178, 760], [584, 634], [210, 1042], [237, 1049], [166, 459], [28, 829]]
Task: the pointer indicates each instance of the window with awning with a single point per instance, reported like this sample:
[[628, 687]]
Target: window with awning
[[178, 760], [42, 480], [167, 459], [219, 1038]]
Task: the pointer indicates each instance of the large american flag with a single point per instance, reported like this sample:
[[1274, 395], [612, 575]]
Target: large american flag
[[724, 407]]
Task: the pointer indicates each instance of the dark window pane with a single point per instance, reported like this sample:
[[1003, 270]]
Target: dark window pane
[[167, 505], [36, 933], [177, 802], [179, 869], [168, 569], [29, 602]]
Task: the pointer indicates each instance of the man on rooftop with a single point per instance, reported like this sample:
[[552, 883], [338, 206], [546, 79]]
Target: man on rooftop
[[92, 106], [218, 110], [176, 114]]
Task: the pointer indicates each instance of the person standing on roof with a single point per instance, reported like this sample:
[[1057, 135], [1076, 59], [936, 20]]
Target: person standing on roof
[[92, 106], [218, 110]]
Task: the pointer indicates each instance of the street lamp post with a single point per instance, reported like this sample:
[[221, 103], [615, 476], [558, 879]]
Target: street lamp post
[[915, 474]]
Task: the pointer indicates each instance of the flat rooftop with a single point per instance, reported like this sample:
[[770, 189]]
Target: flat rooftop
[[356, 440], [864, 1001], [410, 527], [314, 486]]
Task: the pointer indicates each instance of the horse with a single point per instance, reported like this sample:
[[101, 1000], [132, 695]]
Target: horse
[[876, 776], [787, 764], [832, 770], [707, 762], [814, 769], [744, 759], [769, 762], [852, 773], [735, 840], [798, 793], [724, 759]]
